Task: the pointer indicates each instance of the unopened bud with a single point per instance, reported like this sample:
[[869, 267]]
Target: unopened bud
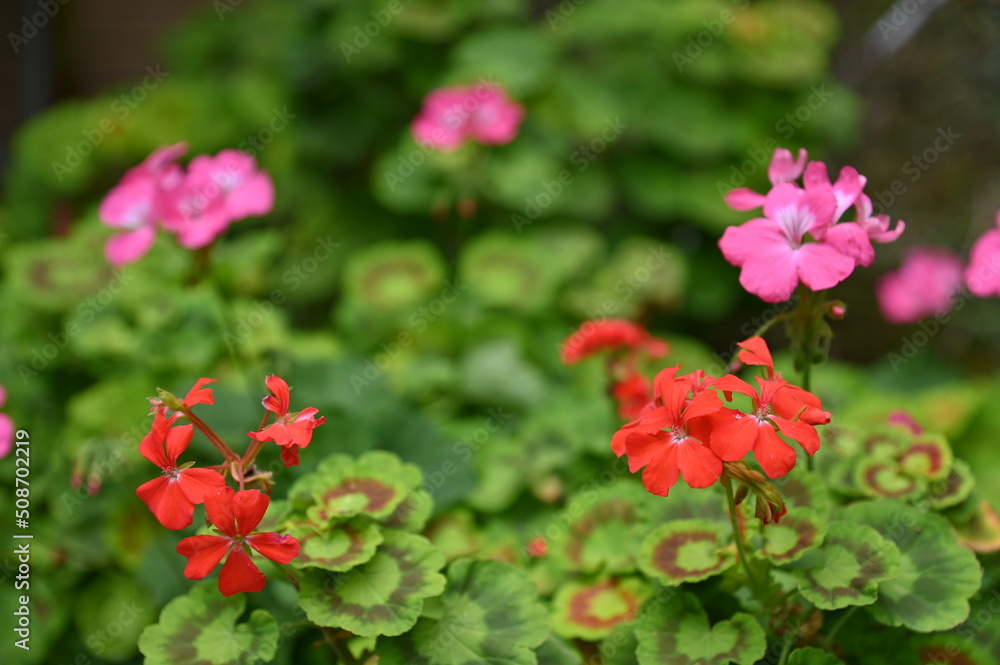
[[838, 310], [169, 400]]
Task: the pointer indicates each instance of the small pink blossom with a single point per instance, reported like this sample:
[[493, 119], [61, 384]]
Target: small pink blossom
[[783, 168], [982, 276], [451, 116], [197, 205], [924, 285]]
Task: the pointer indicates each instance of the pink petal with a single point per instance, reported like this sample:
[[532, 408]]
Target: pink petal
[[738, 243], [743, 198], [129, 247], [821, 266], [851, 239], [983, 273], [253, 198], [130, 204], [6, 435], [783, 168]]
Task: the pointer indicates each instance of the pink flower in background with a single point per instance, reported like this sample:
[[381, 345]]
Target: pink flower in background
[[197, 205], [772, 250], [135, 204], [924, 285], [451, 116], [801, 238], [6, 427], [983, 274]]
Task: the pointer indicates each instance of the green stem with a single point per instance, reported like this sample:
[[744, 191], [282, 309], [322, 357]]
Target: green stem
[[786, 649], [738, 536], [840, 624], [340, 649]]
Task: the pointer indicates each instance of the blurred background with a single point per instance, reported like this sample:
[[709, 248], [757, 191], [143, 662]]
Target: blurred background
[[406, 293]]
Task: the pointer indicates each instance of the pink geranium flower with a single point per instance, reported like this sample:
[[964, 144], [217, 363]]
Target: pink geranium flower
[[924, 285], [136, 204], [451, 116], [773, 251], [783, 168], [197, 206], [983, 274]]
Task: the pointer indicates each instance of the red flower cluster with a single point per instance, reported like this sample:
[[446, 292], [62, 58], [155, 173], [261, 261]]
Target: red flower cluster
[[630, 342], [173, 496], [687, 430]]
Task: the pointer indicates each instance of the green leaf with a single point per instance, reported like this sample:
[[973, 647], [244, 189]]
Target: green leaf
[[813, 656], [936, 576], [200, 629], [954, 488], [592, 610], [884, 477], [929, 455], [848, 568], [113, 601], [338, 548], [981, 531], [488, 613], [804, 489], [382, 597], [374, 484], [798, 532], [685, 551], [678, 633], [594, 539], [556, 652]]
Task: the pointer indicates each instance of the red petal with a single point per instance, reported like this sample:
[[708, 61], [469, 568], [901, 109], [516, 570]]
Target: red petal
[[178, 439], [219, 507], [196, 483], [755, 352], [662, 474], [239, 574], [203, 553], [249, 507], [290, 455], [704, 403], [803, 433], [732, 440], [774, 455], [280, 549], [279, 399], [199, 395], [151, 446], [165, 499], [698, 463], [643, 449], [734, 384]]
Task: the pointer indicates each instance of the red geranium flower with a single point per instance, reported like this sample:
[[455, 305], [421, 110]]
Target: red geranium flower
[[292, 430], [670, 435], [172, 496], [773, 411], [236, 515], [610, 335], [632, 394]]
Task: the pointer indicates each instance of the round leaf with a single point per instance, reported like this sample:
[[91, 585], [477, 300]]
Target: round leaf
[[591, 611], [813, 656], [848, 568], [200, 629], [936, 576], [685, 551], [339, 548], [678, 633], [798, 532], [382, 597], [488, 613]]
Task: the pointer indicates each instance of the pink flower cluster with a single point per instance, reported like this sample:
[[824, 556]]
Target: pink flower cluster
[[800, 238], [983, 272], [6, 427], [451, 116], [196, 205]]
